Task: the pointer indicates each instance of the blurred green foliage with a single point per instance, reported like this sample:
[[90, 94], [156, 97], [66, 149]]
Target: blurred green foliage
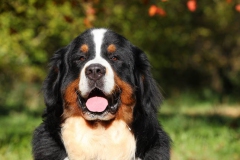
[[189, 51]]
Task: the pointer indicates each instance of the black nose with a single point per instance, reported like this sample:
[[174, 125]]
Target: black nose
[[95, 71]]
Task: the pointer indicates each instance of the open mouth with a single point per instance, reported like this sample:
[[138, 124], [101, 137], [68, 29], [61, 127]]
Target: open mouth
[[98, 105]]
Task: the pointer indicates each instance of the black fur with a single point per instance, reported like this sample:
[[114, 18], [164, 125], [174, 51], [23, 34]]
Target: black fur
[[152, 142]]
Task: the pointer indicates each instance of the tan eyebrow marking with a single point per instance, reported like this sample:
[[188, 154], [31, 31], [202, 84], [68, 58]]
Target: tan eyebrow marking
[[84, 48], [111, 48]]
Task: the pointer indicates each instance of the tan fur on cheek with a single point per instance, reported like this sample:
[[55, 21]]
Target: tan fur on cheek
[[71, 107], [125, 111]]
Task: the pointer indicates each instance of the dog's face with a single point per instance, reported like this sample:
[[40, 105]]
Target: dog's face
[[97, 79], [99, 60]]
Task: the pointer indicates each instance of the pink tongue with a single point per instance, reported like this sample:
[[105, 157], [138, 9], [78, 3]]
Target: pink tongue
[[96, 104]]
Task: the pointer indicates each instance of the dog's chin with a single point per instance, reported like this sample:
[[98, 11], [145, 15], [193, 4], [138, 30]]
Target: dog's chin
[[113, 102]]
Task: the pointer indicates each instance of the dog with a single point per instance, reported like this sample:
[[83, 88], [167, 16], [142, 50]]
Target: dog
[[101, 103]]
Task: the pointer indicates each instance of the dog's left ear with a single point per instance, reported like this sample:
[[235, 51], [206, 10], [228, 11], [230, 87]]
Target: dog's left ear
[[146, 126], [147, 89]]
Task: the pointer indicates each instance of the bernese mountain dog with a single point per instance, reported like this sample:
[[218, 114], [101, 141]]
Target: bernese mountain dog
[[101, 103]]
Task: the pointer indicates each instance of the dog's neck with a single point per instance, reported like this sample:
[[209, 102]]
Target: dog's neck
[[112, 141]]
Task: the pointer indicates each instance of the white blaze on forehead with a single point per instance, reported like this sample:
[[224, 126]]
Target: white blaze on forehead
[[98, 35], [108, 79]]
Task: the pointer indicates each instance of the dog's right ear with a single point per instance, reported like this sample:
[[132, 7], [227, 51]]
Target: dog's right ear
[[52, 83], [46, 136]]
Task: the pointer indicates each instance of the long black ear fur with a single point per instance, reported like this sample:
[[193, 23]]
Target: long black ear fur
[[152, 141], [51, 85], [46, 139]]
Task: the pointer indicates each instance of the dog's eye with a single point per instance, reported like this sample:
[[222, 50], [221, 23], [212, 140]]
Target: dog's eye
[[79, 59], [114, 58], [82, 58]]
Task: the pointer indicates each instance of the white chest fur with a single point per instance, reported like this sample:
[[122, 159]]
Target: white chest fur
[[85, 143]]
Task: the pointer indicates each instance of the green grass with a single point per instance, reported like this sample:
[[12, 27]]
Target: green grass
[[201, 138], [197, 132], [200, 131], [15, 136]]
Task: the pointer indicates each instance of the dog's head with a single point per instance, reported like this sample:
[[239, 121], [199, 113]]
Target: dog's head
[[100, 76]]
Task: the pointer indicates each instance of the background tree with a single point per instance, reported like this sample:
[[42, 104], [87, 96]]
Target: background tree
[[193, 45]]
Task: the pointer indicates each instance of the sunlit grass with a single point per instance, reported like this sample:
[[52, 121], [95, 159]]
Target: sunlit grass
[[197, 138], [202, 132], [15, 136]]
